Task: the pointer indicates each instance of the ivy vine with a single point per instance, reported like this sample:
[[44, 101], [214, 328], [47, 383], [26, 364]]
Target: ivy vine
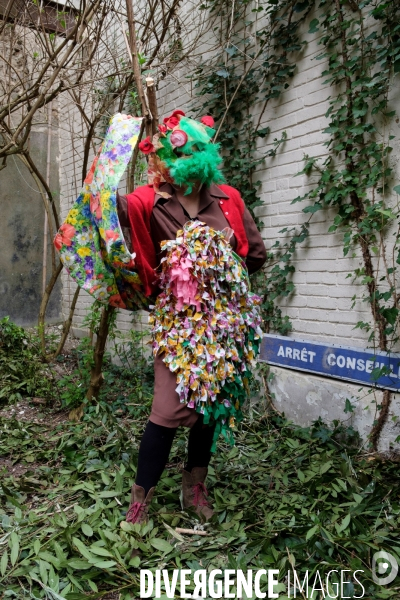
[[255, 66], [361, 44]]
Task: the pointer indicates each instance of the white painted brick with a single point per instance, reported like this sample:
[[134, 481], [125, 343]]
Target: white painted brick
[[268, 186], [311, 327], [282, 184], [309, 87], [305, 76], [311, 126], [270, 209], [282, 195], [322, 302], [286, 208], [324, 277], [294, 183], [284, 220], [347, 316], [337, 266], [290, 107], [278, 171], [288, 146], [312, 138], [280, 123], [319, 289], [314, 98], [306, 114], [345, 331], [321, 306], [318, 314], [287, 97], [295, 301]]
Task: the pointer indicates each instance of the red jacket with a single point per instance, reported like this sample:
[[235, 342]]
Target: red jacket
[[140, 207]]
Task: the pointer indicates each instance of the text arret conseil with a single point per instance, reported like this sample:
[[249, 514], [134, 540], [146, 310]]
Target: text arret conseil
[[333, 360]]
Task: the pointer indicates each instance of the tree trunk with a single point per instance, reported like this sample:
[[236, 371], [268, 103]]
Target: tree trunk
[[43, 306], [152, 98], [135, 61], [376, 431], [67, 325], [96, 377]]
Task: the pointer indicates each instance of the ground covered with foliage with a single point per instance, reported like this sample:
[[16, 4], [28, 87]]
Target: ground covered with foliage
[[290, 498], [285, 498]]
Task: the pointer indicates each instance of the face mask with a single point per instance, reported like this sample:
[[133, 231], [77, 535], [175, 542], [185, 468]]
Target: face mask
[[182, 153]]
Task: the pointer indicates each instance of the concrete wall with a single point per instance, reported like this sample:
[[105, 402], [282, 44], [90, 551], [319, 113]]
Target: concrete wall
[[22, 208], [22, 218], [304, 398]]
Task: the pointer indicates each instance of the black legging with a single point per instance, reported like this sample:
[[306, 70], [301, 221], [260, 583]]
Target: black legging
[[156, 445]]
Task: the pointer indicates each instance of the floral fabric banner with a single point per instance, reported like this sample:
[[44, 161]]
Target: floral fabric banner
[[91, 244]]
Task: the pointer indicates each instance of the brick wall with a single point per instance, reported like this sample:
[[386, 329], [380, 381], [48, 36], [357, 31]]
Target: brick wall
[[320, 308]]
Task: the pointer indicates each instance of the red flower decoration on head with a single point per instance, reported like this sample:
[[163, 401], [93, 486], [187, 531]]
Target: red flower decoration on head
[[171, 122], [207, 120], [178, 138], [162, 129], [146, 146]]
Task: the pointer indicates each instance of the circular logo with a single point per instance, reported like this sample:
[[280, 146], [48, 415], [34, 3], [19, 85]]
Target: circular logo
[[384, 567]]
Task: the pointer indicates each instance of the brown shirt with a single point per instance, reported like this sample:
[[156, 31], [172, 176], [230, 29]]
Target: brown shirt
[[169, 216]]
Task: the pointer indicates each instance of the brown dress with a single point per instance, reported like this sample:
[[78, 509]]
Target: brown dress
[[167, 218]]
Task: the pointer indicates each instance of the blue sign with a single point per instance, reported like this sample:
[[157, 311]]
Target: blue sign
[[369, 367]]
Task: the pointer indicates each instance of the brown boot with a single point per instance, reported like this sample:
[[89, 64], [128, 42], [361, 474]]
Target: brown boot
[[194, 492], [139, 507]]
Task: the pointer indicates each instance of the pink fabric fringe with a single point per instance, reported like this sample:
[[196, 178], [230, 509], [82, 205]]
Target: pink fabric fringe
[[183, 285]]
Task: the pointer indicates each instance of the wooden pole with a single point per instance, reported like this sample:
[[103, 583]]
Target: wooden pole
[[147, 95], [135, 61], [152, 98]]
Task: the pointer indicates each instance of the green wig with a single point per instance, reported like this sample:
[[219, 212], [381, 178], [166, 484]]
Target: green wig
[[183, 152]]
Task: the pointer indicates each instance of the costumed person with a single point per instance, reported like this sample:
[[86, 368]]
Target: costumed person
[[180, 247], [194, 241]]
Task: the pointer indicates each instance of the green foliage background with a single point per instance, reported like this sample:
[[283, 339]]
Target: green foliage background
[[22, 373], [261, 48], [285, 498]]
